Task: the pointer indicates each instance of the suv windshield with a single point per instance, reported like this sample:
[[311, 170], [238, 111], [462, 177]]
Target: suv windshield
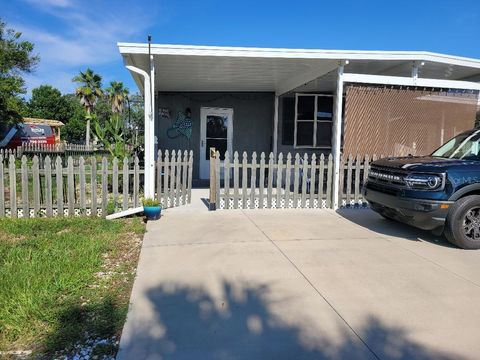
[[463, 146]]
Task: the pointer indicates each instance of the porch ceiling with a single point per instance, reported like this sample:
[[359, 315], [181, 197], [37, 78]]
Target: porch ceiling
[[207, 68]]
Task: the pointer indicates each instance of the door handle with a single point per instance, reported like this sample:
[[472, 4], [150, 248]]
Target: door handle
[[202, 144]]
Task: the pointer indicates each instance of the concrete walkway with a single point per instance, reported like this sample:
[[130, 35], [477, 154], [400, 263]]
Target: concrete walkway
[[300, 284]]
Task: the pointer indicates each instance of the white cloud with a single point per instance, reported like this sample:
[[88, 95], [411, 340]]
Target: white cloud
[[59, 51], [86, 48], [87, 38], [58, 79], [54, 3]]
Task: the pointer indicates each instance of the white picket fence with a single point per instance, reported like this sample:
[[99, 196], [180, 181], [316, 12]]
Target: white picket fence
[[174, 174], [353, 174], [5, 153], [58, 147], [42, 148], [65, 149], [30, 188], [252, 183], [285, 182]]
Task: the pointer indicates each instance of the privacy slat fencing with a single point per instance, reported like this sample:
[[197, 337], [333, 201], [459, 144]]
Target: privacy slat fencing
[[95, 187], [252, 182]]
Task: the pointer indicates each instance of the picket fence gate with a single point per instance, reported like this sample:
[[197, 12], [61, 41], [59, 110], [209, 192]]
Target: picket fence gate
[[30, 188], [284, 182]]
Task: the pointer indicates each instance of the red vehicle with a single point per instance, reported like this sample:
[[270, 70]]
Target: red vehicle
[[28, 133]]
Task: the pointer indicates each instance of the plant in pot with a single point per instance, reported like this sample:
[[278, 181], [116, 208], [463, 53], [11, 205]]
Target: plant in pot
[[152, 209]]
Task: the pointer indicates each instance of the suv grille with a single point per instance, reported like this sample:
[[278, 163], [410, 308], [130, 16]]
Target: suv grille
[[388, 177]]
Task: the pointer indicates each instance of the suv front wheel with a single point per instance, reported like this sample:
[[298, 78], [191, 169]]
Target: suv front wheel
[[462, 226]]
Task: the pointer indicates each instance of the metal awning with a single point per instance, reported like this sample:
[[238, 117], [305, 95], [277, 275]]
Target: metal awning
[[211, 68]]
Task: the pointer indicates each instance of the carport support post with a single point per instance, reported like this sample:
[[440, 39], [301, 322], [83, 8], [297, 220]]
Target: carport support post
[[213, 181], [275, 127], [337, 136], [150, 160], [415, 72]]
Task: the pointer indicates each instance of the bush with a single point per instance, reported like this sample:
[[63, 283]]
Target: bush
[[112, 207]]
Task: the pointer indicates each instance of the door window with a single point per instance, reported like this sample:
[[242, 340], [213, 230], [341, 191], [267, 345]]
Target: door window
[[217, 135], [216, 131]]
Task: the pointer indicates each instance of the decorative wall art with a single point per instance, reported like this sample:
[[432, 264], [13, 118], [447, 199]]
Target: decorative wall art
[[182, 126], [165, 113]]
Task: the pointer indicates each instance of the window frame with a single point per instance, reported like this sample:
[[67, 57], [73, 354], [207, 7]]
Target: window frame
[[315, 122], [288, 121]]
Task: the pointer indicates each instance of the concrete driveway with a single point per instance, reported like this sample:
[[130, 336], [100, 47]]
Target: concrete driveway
[[300, 284]]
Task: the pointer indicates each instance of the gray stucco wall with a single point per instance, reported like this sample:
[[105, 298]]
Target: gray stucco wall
[[252, 120]]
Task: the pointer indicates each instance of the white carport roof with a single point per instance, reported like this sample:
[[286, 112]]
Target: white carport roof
[[213, 68]]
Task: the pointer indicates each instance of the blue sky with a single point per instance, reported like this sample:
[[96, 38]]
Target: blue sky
[[71, 35]]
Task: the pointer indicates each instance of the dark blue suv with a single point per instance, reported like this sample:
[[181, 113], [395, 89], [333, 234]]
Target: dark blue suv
[[439, 192]]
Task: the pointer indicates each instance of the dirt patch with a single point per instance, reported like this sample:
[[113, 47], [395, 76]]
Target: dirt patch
[[10, 238], [64, 231], [115, 282]]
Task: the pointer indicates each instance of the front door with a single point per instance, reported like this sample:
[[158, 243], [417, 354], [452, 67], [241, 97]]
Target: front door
[[216, 131]]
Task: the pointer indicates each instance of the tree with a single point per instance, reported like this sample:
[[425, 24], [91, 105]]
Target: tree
[[74, 129], [16, 58], [135, 120], [117, 95], [103, 110], [89, 91], [112, 136], [48, 103], [111, 131], [135, 113]]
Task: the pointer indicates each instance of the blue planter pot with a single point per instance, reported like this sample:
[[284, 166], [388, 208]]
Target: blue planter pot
[[152, 212]]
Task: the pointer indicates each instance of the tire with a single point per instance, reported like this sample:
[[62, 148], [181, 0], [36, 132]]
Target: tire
[[462, 225]]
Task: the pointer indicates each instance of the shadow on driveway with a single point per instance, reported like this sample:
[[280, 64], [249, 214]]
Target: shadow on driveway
[[195, 325], [374, 222]]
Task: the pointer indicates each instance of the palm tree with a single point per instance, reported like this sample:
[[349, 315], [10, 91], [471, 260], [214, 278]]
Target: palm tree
[[117, 95], [89, 91]]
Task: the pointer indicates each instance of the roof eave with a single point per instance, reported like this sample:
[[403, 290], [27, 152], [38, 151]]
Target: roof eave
[[128, 60], [196, 50]]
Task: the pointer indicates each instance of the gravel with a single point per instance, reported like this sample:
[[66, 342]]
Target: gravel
[[91, 349]]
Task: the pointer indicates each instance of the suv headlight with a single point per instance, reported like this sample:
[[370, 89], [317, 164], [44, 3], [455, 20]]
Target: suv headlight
[[425, 181]]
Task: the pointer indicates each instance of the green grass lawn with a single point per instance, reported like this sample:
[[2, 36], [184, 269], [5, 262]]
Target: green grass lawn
[[64, 280]]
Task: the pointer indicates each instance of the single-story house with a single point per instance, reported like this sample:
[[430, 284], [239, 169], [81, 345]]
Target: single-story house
[[299, 100]]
